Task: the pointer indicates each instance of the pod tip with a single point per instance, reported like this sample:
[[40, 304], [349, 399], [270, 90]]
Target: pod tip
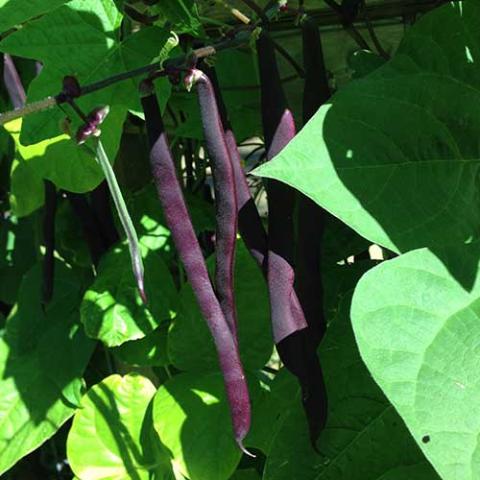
[[141, 291], [244, 450]]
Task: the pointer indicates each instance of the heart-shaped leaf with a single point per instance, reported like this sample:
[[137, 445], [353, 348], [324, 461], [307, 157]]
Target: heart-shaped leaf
[[394, 156], [417, 326], [112, 435]]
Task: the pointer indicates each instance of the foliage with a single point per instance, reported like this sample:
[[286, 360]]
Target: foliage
[[118, 388]]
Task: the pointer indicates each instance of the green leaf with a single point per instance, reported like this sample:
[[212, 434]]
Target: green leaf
[[42, 359], [112, 309], [148, 351], [338, 283], [26, 188], [363, 62], [69, 237], [246, 474], [147, 213], [340, 242], [181, 14], [60, 160], [112, 434], [192, 418], [15, 12], [416, 323], [395, 139], [190, 344], [17, 254], [90, 30], [364, 437]]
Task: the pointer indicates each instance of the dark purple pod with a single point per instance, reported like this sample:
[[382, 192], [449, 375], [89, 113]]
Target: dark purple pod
[[291, 333], [186, 243], [311, 217]]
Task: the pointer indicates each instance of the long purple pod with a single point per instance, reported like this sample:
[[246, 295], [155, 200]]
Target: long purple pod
[[225, 197], [179, 222], [311, 217], [279, 129], [296, 350], [13, 83]]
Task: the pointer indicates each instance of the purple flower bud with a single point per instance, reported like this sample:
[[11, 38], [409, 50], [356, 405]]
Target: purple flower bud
[[89, 129]]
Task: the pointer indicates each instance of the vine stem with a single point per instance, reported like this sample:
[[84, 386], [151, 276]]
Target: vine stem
[[61, 98]]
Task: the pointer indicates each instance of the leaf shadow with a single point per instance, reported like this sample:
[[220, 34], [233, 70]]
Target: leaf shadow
[[206, 429], [46, 351], [131, 456], [114, 293], [416, 188]]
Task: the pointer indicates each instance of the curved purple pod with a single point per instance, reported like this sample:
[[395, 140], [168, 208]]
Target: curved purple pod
[[179, 222], [225, 197]]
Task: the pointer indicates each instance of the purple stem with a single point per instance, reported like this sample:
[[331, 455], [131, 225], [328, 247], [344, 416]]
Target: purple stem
[[225, 198], [179, 222]]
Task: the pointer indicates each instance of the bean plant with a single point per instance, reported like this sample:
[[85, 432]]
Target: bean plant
[[223, 256]]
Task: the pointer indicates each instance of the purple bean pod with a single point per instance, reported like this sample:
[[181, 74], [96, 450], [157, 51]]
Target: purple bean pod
[[225, 198], [179, 222], [311, 217]]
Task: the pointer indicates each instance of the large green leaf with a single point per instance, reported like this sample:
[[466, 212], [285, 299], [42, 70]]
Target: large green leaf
[[15, 12], [417, 328], [190, 344], [89, 29], [112, 309], [17, 254], [364, 437], [42, 359], [192, 418], [112, 435], [393, 156]]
